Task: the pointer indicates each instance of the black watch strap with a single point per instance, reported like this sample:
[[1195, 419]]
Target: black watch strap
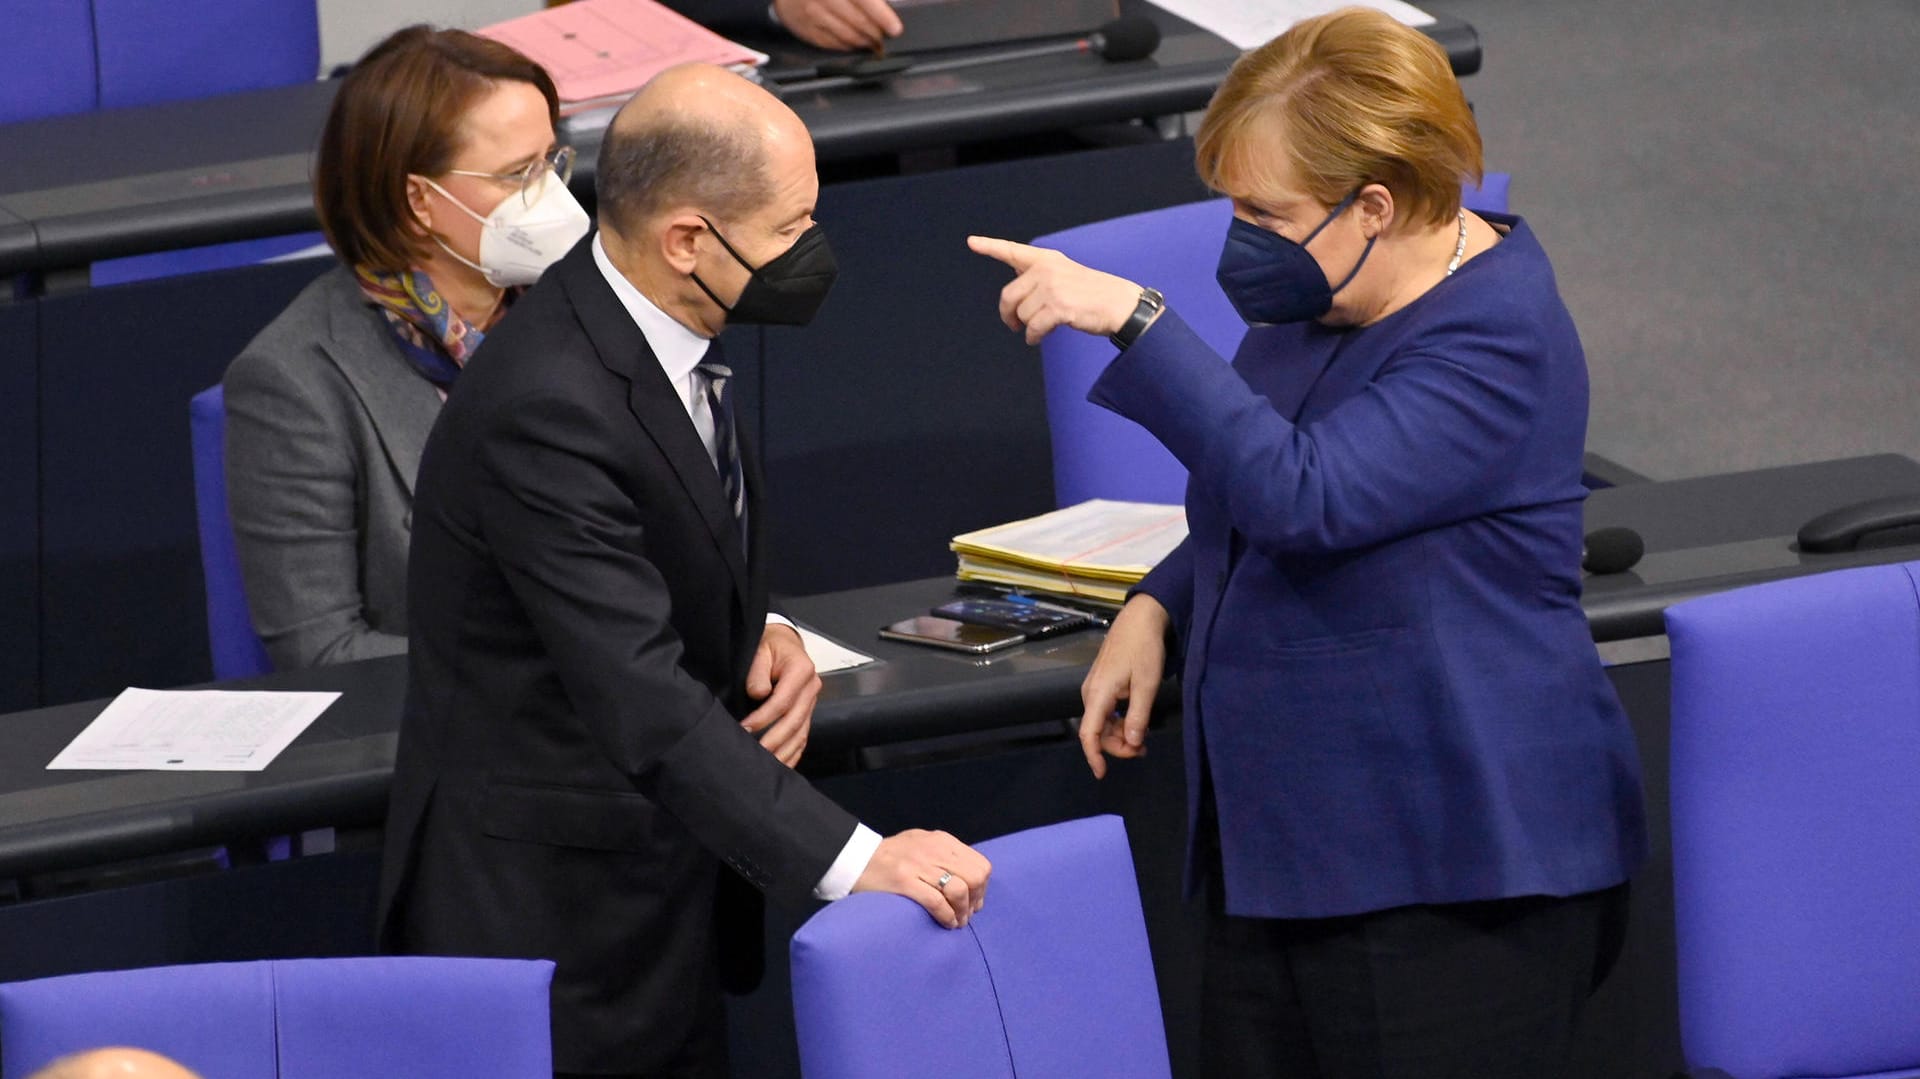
[[1151, 302]]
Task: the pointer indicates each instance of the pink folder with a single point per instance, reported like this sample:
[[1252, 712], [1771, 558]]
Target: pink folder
[[597, 49]]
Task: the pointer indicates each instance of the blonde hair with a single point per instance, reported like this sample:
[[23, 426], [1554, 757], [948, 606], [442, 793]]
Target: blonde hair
[[1356, 98]]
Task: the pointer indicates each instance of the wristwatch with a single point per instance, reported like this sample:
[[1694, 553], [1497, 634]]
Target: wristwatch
[[1150, 305]]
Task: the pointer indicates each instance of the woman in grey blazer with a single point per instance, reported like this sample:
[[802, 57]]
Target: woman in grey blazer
[[440, 184]]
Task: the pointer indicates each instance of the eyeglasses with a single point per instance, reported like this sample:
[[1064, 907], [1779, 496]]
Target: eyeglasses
[[527, 180]]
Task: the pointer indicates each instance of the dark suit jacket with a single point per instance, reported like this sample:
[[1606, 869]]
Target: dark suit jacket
[[582, 619]]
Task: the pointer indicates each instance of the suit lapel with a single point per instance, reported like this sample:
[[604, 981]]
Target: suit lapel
[[623, 350], [401, 404]]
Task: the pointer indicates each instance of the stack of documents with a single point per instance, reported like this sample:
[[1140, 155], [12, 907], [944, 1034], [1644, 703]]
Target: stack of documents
[[1095, 550], [600, 51]]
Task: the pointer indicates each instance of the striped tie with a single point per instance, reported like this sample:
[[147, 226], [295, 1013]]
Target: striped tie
[[726, 441]]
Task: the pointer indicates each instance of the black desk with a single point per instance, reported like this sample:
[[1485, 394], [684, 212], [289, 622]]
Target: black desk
[[77, 189], [1718, 532], [338, 770]]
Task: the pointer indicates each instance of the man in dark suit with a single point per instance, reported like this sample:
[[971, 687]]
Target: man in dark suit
[[591, 658]]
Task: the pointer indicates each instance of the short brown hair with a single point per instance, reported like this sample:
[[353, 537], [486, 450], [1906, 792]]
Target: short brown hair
[[1361, 99], [399, 111], [652, 165]]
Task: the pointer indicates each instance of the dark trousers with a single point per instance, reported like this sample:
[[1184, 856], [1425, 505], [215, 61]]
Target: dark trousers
[[703, 1057], [1484, 990]]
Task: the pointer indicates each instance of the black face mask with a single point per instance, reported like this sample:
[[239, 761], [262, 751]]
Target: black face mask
[[788, 289]]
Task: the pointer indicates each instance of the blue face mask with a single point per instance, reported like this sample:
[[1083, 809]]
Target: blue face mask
[[1271, 279]]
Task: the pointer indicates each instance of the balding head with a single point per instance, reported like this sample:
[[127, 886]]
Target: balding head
[[115, 1063], [696, 137]]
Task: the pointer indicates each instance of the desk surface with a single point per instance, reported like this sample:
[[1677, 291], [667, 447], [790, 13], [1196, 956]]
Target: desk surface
[[99, 185], [337, 772], [1713, 533]]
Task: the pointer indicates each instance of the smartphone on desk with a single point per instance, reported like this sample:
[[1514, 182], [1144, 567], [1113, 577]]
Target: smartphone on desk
[[949, 634], [1031, 621]]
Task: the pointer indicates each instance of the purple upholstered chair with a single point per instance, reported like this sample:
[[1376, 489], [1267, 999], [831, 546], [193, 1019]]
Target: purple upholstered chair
[[1051, 980], [186, 49], [1096, 454], [419, 1017], [236, 648], [1796, 826], [80, 55], [47, 64]]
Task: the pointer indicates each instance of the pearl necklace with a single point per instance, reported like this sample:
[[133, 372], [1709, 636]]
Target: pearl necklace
[[1460, 248]]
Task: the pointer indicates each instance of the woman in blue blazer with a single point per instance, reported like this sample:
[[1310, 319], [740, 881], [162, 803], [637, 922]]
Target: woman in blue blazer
[[1414, 798]]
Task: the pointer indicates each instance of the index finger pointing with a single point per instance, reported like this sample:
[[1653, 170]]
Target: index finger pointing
[[1019, 256]]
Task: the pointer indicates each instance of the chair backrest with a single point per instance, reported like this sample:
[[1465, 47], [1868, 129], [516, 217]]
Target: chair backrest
[[1096, 454], [1796, 824], [421, 1017], [74, 56], [217, 1019], [185, 49], [1051, 980], [236, 648], [46, 60]]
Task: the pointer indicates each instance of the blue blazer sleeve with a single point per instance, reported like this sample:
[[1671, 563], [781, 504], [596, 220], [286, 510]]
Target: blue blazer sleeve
[[1430, 442], [1171, 582]]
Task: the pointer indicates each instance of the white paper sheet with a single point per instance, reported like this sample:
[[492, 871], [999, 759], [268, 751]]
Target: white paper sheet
[[1249, 24], [827, 656], [209, 730]]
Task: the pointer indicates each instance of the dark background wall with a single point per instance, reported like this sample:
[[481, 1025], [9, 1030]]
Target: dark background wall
[[907, 413], [19, 506], [121, 596]]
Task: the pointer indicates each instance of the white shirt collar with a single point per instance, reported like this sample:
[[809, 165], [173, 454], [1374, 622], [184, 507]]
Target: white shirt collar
[[678, 349]]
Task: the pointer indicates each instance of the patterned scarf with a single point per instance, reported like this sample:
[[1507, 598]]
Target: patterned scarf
[[432, 336]]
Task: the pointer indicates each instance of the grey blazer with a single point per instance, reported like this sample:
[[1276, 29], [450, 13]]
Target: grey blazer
[[325, 422]]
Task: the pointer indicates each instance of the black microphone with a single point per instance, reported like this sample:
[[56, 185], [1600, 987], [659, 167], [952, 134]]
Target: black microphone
[[1130, 37], [1611, 550]]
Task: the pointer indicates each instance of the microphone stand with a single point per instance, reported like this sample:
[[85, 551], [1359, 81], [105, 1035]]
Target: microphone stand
[[881, 68]]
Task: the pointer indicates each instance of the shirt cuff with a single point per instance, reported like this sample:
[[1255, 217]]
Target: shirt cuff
[[782, 620], [845, 871]]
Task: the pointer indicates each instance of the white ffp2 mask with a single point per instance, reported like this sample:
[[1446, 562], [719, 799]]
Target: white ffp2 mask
[[522, 237]]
